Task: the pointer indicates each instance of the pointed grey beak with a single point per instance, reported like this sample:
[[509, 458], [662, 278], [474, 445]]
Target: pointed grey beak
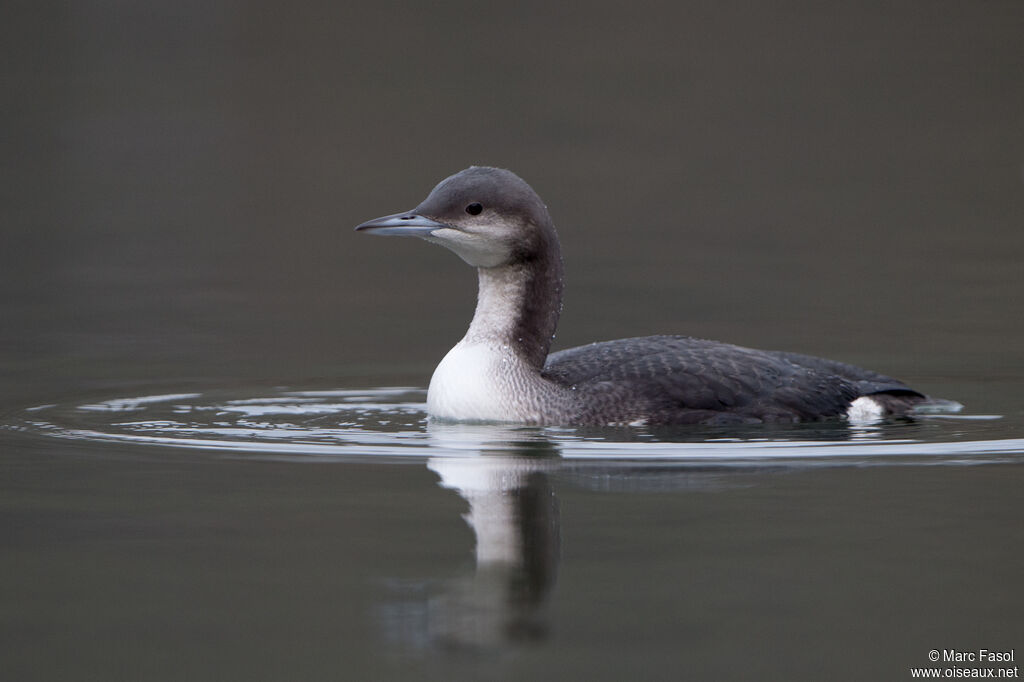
[[401, 225]]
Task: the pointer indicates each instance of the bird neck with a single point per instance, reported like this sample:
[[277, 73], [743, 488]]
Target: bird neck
[[519, 305]]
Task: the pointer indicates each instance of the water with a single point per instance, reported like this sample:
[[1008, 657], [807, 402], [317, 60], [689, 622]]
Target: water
[[376, 424], [281, 531], [205, 472]]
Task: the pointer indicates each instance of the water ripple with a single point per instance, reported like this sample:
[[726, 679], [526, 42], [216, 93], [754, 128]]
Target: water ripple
[[358, 424]]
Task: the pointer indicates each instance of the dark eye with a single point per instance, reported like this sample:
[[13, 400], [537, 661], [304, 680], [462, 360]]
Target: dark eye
[[474, 208]]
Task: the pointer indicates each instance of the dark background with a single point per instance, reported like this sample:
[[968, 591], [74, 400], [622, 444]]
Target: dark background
[[179, 181], [178, 187]]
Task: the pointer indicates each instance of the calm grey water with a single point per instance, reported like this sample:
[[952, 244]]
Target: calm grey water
[[213, 458]]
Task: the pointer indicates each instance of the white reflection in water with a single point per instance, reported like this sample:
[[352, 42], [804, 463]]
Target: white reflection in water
[[131, 404], [513, 513]]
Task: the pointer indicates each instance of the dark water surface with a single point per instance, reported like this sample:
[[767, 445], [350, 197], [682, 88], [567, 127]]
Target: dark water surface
[[204, 472]]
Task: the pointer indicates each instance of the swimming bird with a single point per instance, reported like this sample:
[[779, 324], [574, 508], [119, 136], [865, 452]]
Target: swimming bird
[[501, 370]]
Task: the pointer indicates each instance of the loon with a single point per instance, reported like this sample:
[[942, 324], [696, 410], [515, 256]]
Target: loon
[[501, 370]]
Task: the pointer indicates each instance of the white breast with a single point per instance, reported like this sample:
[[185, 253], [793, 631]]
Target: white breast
[[475, 382]]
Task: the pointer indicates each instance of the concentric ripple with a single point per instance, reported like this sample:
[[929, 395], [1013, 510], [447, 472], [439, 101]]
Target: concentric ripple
[[349, 424]]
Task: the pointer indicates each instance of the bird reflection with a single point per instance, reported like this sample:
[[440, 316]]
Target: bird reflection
[[513, 512], [504, 475]]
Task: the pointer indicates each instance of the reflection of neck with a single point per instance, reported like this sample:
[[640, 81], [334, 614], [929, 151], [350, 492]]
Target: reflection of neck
[[494, 518], [514, 515], [500, 510]]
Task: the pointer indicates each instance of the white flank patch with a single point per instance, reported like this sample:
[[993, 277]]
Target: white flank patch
[[865, 410]]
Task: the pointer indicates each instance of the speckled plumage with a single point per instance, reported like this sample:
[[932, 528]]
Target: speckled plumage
[[501, 370]]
